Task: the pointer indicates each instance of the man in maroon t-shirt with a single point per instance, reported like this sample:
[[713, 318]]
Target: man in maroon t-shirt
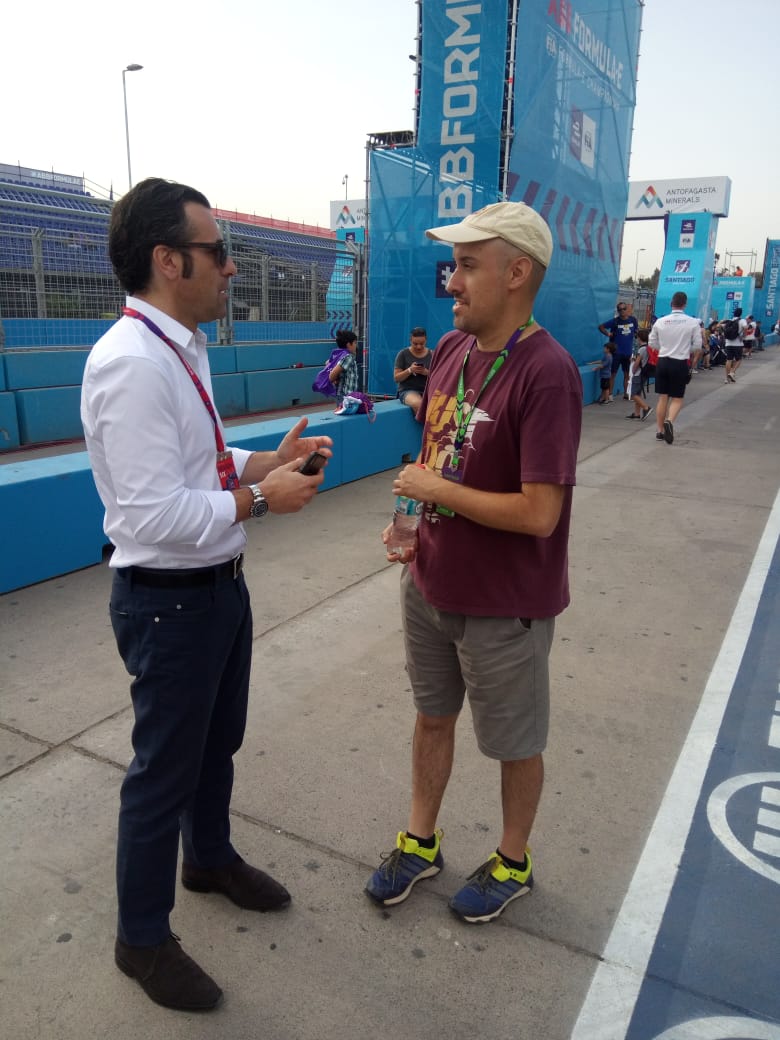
[[502, 412]]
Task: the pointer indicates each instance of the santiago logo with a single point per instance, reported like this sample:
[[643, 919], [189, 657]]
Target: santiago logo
[[650, 198]]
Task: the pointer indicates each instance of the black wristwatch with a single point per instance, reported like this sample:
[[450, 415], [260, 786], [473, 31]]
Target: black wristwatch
[[259, 506]]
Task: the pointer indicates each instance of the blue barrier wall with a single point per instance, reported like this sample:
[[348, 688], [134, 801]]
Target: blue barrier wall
[[9, 424], [40, 389], [36, 545], [35, 333]]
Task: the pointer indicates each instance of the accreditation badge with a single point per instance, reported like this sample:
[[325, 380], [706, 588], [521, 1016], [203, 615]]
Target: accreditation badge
[[226, 470], [450, 471]]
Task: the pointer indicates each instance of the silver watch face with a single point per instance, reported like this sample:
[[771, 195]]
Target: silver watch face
[[259, 507]]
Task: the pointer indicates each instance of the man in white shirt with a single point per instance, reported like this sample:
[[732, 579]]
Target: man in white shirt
[[175, 498], [676, 337]]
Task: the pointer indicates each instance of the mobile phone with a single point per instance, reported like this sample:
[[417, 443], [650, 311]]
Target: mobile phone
[[313, 464]]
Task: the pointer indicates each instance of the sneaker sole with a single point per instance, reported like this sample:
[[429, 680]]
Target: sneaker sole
[[668, 432], [429, 872], [484, 918]]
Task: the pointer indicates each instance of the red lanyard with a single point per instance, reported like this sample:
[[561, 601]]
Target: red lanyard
[[130, 313], [228, 477]]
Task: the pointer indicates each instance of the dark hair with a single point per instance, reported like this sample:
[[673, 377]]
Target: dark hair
[[418, 330], [643, 334], [679, 299], [345, 336], [149, 215], [737, 312]]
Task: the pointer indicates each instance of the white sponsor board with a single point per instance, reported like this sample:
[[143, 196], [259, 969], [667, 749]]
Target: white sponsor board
[[347, 214], [649, 200]]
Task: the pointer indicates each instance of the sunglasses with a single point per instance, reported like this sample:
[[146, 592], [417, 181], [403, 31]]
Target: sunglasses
[[218, 250]]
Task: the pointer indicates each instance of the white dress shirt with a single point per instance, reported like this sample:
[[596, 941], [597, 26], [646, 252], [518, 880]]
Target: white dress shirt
[[152, 447], [676, 335]]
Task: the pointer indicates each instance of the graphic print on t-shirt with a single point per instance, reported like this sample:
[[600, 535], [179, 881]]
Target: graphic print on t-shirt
[[439, 447]]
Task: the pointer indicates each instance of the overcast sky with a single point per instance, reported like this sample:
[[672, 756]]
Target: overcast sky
[[265, 106]]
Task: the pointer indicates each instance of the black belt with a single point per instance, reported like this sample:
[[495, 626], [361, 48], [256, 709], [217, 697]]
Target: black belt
[[189, 578]]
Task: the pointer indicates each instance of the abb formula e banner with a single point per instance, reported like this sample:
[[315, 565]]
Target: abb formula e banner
[[462, 88], [575, 92], [519, 100], [452, 170]]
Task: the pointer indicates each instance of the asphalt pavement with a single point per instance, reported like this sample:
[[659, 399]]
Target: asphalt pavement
[[663, 539]]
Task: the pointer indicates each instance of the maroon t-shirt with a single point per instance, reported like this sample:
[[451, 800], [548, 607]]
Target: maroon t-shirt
[[526, 427]]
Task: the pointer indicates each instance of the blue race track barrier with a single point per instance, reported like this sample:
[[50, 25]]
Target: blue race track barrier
[[40, 388], [37, 543]]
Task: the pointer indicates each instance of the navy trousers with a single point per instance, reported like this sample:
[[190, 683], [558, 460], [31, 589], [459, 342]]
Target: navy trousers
[[189, 650]]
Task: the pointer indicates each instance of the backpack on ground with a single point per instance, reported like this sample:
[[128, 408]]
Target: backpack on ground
[[322, 383], [731, 329]]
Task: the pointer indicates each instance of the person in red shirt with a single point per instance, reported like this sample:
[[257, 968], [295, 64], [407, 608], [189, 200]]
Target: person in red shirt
[[502, 413]]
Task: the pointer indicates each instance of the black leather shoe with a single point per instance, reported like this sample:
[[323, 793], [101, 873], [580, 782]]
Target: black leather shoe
[[168, 976], [246, 886]]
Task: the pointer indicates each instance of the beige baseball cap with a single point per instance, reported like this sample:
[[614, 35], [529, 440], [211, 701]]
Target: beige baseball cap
[[515, 222]]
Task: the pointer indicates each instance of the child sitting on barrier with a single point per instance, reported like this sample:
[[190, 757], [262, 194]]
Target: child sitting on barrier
[[344, 375]]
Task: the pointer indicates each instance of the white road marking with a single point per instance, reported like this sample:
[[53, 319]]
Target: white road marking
[[610, 1002], [774, 728], [722, 1028], [718, 821]]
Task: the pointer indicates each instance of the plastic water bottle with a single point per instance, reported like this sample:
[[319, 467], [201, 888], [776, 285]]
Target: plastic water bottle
[[406, 516]]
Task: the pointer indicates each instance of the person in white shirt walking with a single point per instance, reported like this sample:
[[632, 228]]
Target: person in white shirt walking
[[676, 336], [175, 497]]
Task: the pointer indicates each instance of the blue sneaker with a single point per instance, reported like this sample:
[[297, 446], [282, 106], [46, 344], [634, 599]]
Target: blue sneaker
[[401, 869], [490, 888]]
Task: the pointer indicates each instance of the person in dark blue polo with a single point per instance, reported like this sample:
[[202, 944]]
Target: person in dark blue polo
[[621, 330]]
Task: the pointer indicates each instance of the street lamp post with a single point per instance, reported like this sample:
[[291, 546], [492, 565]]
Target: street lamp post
[[345, 182], [128, 68], [636, 266]]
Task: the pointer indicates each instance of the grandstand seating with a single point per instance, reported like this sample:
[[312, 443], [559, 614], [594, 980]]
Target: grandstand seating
[[81, 217], [283, 275]]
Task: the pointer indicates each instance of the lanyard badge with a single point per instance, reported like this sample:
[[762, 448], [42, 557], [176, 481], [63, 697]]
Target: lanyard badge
[[226, 470], [451, 472]]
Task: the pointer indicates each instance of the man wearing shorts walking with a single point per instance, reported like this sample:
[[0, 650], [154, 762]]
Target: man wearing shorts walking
[[676, 337], [502, 413], [733, 330]]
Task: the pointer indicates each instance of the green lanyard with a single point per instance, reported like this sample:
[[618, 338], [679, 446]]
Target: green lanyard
[[463, 423]]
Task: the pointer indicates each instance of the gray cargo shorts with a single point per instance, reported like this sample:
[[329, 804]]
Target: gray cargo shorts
[[500, 662]]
